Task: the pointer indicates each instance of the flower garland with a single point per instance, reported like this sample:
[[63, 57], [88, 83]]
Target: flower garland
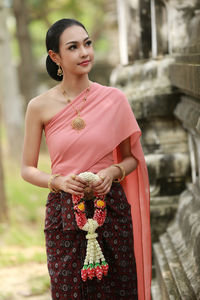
[[94, 263]]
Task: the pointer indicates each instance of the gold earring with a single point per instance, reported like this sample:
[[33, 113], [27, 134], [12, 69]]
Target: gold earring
[[59, 72]]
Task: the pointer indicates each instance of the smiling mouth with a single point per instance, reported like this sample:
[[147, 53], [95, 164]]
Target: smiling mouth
[[86, 62]]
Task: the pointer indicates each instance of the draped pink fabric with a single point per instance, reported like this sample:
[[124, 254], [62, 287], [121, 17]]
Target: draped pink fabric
[[109, 120]]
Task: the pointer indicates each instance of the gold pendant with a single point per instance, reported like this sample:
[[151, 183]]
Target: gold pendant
[[78, 123]]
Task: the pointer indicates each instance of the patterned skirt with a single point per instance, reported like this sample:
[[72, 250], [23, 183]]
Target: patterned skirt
[[66, 250]]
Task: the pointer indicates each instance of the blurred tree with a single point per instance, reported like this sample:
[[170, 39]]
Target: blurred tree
[[34, 17], [90, 12], [9, 91], [3, 205], [27, 70]]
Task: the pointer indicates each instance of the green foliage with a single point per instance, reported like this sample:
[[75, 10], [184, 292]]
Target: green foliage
[[44, 13], [39, 284], [16, 255], [6, 296], [24, 230]]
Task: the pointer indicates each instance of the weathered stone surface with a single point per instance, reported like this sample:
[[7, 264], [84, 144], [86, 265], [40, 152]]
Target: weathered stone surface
[[169, 121], [148, 89], [167, 172], [194, 27], [180, 248], [145, 21], [129, 30], [164, 277], [185, 235], [168, 161], [198, 125], [185, 72], [188, 111], [163, 210], [155, 290], [159, 33], [184, 24], [147, 107], [188, 59], [186, 77], [145, 78], [180, 15], [161, 136], [180, 279], [189, 50]]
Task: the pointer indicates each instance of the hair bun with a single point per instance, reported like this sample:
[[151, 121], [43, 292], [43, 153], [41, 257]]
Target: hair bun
[[52, 69]]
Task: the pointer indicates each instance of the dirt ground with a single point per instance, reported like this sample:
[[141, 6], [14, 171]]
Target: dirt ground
[[15, 282]]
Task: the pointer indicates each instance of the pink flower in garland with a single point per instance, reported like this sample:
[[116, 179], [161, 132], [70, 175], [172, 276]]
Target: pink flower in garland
[[98, 271], [81, 219], [84, 273], [91, 272], [100, 216], [105, 267]]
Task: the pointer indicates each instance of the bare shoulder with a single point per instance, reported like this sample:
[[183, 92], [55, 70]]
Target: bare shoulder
[[39, 105], [39, 102]]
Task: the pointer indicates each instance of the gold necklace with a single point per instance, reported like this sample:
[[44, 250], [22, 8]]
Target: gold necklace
[[77, 123]]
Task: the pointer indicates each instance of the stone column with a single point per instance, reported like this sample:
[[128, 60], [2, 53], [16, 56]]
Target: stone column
[[159, 28], [145, 22], [129, 30], [123, 36]]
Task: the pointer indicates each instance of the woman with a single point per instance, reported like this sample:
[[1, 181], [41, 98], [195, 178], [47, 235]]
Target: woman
[[88, 128]]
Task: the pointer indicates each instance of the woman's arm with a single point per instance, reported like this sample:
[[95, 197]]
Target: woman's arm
[[129, 163], [30, 155], [31, 147]]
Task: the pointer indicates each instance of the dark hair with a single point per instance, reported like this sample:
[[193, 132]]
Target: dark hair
[[53, 40]]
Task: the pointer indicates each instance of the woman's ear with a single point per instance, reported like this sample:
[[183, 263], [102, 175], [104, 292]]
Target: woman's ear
[[54, 56]]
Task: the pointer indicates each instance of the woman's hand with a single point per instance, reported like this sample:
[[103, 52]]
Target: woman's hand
[[103, 186], [71, 183]]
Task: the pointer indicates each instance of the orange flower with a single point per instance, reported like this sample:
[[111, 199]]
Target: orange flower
[[81, 206], [100, 203]]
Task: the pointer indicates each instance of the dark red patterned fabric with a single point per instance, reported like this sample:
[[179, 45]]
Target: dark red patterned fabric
[[66, 249]]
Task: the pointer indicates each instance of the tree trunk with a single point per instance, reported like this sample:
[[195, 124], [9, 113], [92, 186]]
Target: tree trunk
[[27, 74], [9, 91], [3, 206]]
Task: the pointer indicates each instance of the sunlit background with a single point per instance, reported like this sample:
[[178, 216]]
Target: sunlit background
[[23, 26], [150, 49]]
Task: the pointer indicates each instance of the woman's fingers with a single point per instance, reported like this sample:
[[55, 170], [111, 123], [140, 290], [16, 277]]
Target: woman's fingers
[[73, 189], [104, 186], [76, 180], [79, 179], [73, 184]]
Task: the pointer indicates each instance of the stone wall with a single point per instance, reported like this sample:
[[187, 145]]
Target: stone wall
[[177, 256], [153, 100], [164, 93]]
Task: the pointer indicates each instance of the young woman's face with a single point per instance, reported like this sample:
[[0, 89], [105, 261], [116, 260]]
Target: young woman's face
[[76, 51]]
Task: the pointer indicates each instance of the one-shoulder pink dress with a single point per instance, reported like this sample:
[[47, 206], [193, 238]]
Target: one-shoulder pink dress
[[125, 237]]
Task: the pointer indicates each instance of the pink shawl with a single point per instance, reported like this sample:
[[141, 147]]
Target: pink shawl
[[109, 120]]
